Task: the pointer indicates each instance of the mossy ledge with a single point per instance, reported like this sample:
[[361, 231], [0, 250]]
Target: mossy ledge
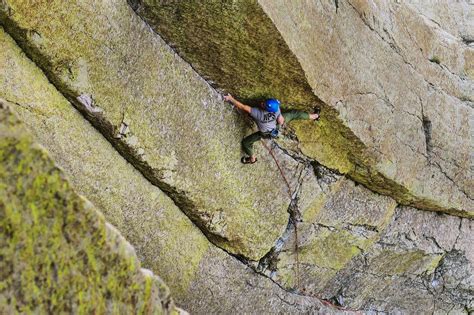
[[58, 252]]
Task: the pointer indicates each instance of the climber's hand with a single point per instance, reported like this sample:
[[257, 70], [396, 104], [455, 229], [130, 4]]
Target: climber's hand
[[228, 98]]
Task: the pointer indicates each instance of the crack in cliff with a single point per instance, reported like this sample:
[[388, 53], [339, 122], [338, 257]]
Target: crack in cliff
[[387, 101], [298, 156], [391, 42], [179, 198], [373, 179], [459, 233], [427, 128], [384, 98], [426, 125], [467, 41], [435, 242], [268, 261], [430, 158], [461, 190], [365, 226], [27, 108]]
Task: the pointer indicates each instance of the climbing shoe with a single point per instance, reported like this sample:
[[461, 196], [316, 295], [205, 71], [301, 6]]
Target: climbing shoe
[[247, 160], [317, 110]]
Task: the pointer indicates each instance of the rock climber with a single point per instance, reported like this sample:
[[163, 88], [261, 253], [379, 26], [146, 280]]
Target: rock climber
[[267, 115]]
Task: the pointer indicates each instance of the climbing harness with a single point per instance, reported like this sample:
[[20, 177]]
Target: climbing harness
[[272, 134]]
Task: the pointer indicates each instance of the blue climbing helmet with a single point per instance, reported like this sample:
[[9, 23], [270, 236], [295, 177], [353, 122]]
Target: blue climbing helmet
[[272, 105]]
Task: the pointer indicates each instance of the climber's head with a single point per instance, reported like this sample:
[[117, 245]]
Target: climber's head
[[271, 105]]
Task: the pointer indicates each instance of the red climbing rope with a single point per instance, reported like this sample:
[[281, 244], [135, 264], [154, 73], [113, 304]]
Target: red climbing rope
[[298, 284], [279, 168], [297, 269], [295, 221]]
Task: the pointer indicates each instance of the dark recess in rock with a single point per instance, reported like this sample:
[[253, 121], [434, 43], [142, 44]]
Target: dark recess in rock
[[427, 131]]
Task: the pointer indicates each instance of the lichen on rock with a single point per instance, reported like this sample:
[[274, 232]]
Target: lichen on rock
[[128, 72], [58, 253], [159, 130], [166, 241], [337, 226], [422, 261], [355, 59]]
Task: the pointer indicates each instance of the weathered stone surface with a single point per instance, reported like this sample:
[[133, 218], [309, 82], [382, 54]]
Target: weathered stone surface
[[354, 251], [235, 45], [394, 86], [342, 221], [165, 239], [201, 277], [455, 18], [58, 253], [159, 113], [427, 153], [225, 285], [423, 262]]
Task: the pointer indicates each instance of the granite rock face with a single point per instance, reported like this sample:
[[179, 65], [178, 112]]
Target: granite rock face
[[395, 86], [58, 253], [341, 222], [200, 276], [359, 250], [143, 213], [144, 138], [158, 113], [423, 261]]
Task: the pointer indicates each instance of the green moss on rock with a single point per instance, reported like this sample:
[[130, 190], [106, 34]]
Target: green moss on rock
[[126, 76], [262, 48], [389, 262], [235, 58], [341, 223], [165, 239], [59, 255], [331, 250]]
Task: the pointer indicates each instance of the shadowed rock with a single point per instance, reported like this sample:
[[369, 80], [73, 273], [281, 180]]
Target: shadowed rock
[[367, 65], [158, 113], [200, 275]]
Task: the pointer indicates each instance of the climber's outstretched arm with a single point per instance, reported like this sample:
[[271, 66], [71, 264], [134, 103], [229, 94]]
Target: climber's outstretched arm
[[239, 105]]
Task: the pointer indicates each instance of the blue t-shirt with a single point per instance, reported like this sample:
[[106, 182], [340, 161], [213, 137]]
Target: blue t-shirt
[[266, 121]]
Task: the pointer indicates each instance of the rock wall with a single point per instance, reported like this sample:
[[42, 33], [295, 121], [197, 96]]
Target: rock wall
[[394, 86], [226, 237], [58, 253], [358, 249], [202, 277], [422, 261], [145, 100]]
